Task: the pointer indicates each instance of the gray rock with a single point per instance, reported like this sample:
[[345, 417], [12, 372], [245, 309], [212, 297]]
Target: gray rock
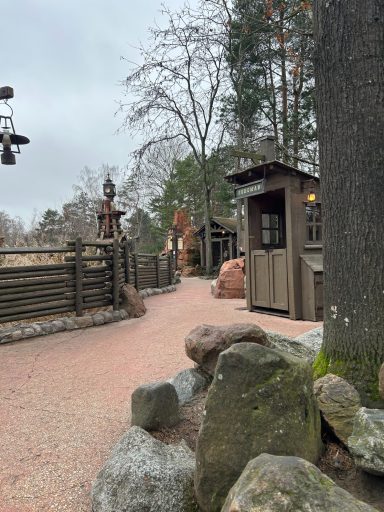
[[6, 335], [123, 314], [98, 319], [189, 382], [28, 332], [205, 343], [155, 405], [17, 335], [37, 328], [143, 474], [83, 321], [271, 483], [47, 327], [108, 317], [213, 286], [312, 339], [338, 402], [261, 400], [292, 346], [58, 325], [367, 440], [70, 323]]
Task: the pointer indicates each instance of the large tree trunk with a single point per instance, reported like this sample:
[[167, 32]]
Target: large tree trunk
[[349, 38]]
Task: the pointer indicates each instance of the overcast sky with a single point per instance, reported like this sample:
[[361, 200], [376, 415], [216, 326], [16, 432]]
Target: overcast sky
[[63, 60]]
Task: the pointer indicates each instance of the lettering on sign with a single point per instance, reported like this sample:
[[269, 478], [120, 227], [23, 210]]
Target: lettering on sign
[[252, 189]]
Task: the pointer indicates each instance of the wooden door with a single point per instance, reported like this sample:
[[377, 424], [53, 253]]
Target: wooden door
[[278, 279], [269, 279], [260, 279]]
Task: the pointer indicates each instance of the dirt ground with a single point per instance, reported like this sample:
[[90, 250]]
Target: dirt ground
[[336, 461]]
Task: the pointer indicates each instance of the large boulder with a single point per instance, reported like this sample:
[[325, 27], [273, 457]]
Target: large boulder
[[132, 303], [155, 405], [261, 400], [230, 283], [278, 484], [292, 346], [205, 343], [144, 474], [338, 402], [188, 383], [367, 441], [381, 381]]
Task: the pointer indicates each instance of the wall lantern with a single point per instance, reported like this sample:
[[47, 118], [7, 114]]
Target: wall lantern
[[310, 186], [8, 137], [311, 197]]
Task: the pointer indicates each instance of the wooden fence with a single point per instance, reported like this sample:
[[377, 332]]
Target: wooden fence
[[90, 276]]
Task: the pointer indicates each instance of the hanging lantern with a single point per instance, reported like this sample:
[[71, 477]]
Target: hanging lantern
[[8, 137], [311, 197]]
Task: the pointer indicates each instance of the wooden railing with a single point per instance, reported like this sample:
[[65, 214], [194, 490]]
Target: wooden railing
[[89, 276]]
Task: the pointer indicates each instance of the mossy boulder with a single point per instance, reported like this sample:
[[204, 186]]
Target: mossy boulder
[[155, 405], [367, 441], [261, 400], [279, 484]]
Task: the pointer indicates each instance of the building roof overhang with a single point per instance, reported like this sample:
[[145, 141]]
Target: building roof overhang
[[228, 224], [260, 171]]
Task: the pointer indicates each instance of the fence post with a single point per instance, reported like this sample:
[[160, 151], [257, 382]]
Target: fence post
[[79, 275], [126, 260], [170, 268], [115, 275], [136, 272], [158, 270]]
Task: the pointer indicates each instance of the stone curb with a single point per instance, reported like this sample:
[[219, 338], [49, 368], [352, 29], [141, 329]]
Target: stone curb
[[24, 331], [148, 292]]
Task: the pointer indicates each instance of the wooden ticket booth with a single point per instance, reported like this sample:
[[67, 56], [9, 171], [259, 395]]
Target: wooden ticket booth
[[282, 239]]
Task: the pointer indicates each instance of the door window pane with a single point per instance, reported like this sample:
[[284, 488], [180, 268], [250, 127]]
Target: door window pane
[[266, 237], [265, 220], [270, 228]]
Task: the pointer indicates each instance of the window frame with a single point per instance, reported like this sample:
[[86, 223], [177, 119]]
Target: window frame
[[270, 229], [314, 224]]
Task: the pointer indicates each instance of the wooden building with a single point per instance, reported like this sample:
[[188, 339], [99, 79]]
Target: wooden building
[[282, 239], [224, 240]]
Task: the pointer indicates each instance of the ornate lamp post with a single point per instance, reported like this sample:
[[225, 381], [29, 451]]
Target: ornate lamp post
[[8, 136], [109, 223]]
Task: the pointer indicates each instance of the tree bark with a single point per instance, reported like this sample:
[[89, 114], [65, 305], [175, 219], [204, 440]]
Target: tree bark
[[207, 218], [349, 39]]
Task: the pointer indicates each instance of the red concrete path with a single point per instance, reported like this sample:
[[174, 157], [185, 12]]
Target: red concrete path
[[64, 398]]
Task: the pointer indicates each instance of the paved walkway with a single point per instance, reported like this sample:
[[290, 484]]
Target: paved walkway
[[65, 398]]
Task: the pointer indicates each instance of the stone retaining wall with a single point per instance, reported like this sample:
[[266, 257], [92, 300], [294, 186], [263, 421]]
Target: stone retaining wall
[[23, 331]]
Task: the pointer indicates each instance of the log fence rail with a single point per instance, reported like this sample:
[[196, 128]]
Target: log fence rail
[[90, 276]]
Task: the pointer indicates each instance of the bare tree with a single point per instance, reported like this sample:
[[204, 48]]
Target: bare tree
[[177, 90]]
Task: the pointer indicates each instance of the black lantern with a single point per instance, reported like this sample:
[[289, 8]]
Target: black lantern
[[109, 188], [8, 137]]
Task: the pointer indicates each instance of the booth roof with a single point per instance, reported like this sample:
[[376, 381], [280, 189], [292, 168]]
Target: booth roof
[[257, 172]]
